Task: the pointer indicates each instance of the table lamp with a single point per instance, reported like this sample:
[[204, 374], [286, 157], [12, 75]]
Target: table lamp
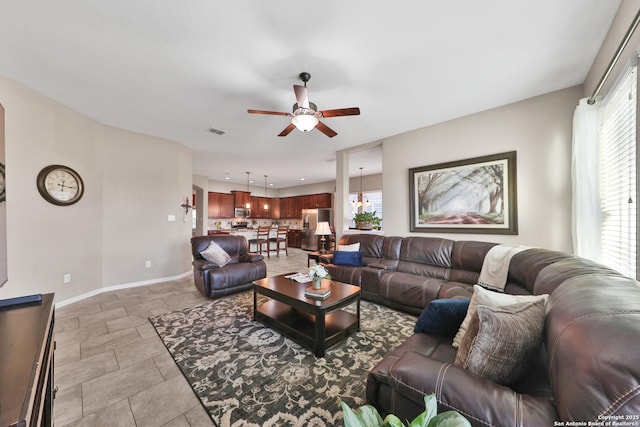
[[323, 229]]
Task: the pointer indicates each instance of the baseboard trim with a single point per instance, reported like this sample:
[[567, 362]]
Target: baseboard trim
[[118, 287]]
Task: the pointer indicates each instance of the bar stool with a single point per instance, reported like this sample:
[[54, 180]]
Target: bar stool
[[262, 238], [280, 239]]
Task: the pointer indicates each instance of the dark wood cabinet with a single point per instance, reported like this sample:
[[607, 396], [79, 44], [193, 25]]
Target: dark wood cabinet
[[324, 200], [262, 202], [301, 202], [221, 205], [256, 212], [213, 205], [26, 362], [287, 207], [227, 208], [313, 201], [294, 238], [257, 208], [241, 198], [275, 208]]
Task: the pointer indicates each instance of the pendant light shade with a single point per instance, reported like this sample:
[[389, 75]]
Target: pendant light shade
[[248, 204], [361, 200], [266, 204]]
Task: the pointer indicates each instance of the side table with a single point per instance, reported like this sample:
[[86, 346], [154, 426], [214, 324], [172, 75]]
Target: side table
[[315, 255]]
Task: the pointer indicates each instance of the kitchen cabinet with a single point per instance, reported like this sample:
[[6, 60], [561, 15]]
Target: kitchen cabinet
[[256, 211], [220, 205], [286, 207], [213, 205], [227, 205], [241, 198], [323, 200], [301, 202], [264, 213], [313, 201], [257, 208], [294, 238], [275, 208]]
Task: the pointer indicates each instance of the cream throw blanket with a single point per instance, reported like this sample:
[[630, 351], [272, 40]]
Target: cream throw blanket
[[495, 267]]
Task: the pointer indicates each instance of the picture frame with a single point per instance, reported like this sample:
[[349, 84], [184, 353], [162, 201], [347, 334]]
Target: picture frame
[[476, 195]]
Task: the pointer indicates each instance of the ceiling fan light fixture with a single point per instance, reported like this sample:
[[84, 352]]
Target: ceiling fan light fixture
[[305, 122]]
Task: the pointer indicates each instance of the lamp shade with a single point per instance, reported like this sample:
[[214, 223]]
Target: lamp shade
[[323, 229], [305, 122]]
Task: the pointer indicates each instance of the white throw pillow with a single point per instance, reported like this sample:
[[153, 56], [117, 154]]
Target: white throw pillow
[[355, 247], [482, 296], [215, 253]]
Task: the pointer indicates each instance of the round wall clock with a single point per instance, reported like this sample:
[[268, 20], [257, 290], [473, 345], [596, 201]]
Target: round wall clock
[[3, 193], [60, 185]]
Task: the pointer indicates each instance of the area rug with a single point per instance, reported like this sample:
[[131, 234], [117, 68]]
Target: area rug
[[246, 374]]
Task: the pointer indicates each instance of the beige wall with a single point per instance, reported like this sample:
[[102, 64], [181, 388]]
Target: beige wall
[[132, 182], [539, 129], [623, 19]]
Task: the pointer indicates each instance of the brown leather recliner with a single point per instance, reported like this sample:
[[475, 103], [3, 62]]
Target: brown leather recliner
[[214, 281]]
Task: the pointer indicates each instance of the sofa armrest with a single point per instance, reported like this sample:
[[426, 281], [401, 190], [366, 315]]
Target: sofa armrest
[[326, 258], [203, 264], [480, 400], [250, 257]]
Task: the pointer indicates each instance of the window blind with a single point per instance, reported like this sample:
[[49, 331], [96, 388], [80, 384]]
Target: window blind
[[618, 175]]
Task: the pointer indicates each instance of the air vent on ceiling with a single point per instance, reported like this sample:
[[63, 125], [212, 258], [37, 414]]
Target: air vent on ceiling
[[217, 131]]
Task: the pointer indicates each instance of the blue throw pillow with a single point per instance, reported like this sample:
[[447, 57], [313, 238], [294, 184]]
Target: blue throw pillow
[[348, 258], [442, 316]]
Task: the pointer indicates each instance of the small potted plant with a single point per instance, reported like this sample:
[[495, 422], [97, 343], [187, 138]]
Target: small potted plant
[[317, 273], [367, 220], [368, 416]]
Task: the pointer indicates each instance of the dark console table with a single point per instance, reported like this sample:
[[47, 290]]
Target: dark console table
[[26, 361]]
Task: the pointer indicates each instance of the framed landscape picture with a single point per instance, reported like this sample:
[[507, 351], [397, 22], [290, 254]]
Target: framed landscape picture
[[475, 195]]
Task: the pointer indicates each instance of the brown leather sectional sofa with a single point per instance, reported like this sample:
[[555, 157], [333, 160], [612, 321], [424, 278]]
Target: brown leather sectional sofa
[[214, 281], [588, 369]]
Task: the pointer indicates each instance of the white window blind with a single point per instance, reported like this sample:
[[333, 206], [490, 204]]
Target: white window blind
[[618, 176]]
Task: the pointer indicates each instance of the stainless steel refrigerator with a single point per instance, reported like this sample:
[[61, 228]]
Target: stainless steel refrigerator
[[310, 219]]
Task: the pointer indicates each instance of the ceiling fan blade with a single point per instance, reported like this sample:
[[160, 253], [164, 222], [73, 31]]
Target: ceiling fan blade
[[302, 95], [355, 111], [326, 130], [273, 113], [287, 130]]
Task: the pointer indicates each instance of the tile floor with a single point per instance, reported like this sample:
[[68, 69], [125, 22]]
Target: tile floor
[[111, 369]]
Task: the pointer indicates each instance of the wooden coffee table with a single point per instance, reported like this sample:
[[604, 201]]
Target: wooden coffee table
[[313, 323]]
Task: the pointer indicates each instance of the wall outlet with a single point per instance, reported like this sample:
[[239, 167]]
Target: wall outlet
[[66, 278], [171, 218], [147, 264]]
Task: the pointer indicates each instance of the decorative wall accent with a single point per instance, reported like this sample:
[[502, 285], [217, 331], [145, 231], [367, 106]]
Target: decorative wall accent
[[475, 195]]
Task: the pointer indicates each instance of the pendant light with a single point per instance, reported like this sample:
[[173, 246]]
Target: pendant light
[[361, 199], [266, 204], [248, 204]]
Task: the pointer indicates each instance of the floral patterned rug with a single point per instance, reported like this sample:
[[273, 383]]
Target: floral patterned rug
[[246, 374]]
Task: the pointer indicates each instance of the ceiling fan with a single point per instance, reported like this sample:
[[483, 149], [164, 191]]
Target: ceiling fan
[[306, 116]]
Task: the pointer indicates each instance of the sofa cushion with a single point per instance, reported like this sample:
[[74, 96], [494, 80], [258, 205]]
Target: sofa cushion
[[507, 338], [347, 258], [442, 316], [410, 290], [483, 296], [216, 254], [354, 247]]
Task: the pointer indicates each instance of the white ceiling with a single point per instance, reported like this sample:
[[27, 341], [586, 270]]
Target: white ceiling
[[174, 69]]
